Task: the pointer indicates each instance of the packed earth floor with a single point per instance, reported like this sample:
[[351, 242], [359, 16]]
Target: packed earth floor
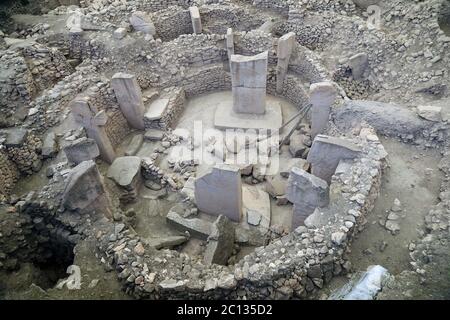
[[224, 149]]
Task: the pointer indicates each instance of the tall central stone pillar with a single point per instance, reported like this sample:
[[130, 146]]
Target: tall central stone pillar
[[248, 78]]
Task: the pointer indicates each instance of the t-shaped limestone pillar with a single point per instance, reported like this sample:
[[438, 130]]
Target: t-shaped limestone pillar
[[230, 43], [322, 96], [220, 192], [248, 78], [93, 122], [307, 192], [326, 152], [129, 97], [284, 51], [196, 20]]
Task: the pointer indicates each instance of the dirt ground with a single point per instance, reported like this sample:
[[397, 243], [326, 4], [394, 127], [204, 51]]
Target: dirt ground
[[412, 176]]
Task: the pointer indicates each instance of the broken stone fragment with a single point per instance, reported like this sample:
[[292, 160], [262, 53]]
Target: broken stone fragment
[[256, 203], [297, 147], [126, 172], [49, 146], [326, 153], [119, 33], [397, 206], [393, 226], [338, 237], [153, 135], [358, 64], [220, 242], [166, 242], [84, 186], [141, 22], [276, 185], [196, 227], [287, 165], [80, 150], [430, 113], [135, 145], [16, 137]]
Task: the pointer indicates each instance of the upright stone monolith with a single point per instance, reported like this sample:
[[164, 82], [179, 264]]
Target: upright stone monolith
[[220, 192], [249, 77], [284, 51], [322, 96], [129, 97], [196, 20], [230, 43], [307, 192]]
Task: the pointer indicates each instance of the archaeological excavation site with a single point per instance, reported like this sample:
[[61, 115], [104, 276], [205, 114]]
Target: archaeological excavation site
[[224, 150]]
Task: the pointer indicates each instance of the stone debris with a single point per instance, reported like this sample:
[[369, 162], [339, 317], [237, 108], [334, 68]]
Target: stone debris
[[153, 135], [80, 150], [166, 242], [256, 203], [85, 188]]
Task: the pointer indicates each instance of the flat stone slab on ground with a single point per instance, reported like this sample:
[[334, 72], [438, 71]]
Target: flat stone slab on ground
[[156, 109], [153, 135], [135, 145], [166, 242], [125, 171], [226, 118], [15, 137]]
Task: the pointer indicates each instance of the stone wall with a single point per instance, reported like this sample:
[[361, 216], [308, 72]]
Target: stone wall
[[117, 127], [175, 107], [295, 265], [32, 233], [9, 174], [47, 65], [101, 96], [172, 22], [27, 157], [17, 87]]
